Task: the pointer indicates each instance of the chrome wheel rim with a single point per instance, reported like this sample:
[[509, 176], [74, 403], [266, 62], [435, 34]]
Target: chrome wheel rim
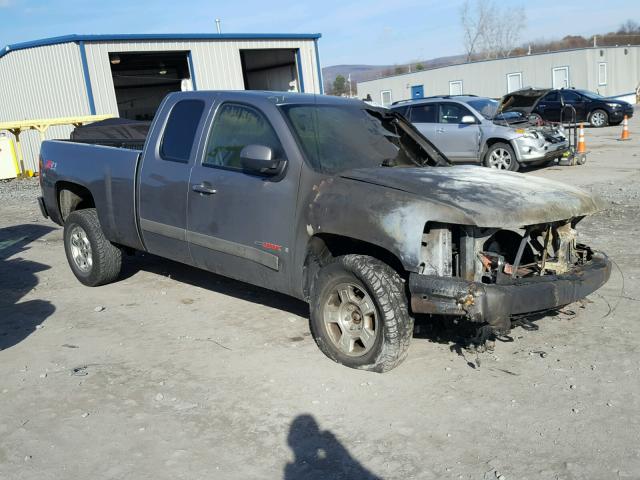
[[500, 158], [350, 319], [80, 249], [597, 119]]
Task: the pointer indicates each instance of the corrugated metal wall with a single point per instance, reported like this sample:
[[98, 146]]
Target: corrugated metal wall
[[216, 63], [489, 78], [48, 81], [42, 83]]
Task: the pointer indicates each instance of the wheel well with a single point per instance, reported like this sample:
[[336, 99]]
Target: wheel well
[[324, 247], [72, 197], [492, 141]]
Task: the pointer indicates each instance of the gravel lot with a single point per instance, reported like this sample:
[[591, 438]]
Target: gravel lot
[[176, 373]]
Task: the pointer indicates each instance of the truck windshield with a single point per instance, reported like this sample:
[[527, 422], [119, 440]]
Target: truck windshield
[[335, 138]]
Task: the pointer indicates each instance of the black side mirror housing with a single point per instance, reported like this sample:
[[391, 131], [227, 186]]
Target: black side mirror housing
[[260, 160]]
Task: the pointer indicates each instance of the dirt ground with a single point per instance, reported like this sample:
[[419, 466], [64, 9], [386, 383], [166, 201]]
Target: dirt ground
[[176, 373]]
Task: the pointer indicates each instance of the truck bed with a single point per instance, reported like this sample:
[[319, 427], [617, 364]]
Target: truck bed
[[109, 173]]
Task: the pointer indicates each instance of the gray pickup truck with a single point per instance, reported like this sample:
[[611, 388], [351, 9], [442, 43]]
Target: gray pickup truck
[[329, 200]]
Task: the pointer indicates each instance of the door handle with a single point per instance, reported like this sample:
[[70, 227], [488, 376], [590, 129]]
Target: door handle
[[439, 130], [204, 189]]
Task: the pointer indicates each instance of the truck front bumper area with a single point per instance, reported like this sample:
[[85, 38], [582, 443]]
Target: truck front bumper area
[[495, 304], [529, 152]]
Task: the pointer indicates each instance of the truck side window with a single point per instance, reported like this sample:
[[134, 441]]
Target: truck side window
[[235, 127], [424, 113], [179, 134]]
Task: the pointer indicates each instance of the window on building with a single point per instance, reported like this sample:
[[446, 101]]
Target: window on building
[[424, 113], [385, 98], [560, 77], [180, 132], [235, 127], [455, 87], [602, 73], [514, 82]]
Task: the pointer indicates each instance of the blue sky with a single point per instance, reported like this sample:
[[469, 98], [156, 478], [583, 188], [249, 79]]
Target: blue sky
[[371, 32]]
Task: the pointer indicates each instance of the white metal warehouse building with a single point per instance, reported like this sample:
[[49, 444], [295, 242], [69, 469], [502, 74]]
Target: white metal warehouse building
[[610, 71], [128, 75]]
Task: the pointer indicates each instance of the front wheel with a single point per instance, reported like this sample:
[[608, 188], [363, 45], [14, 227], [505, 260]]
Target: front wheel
[[93, 259], [598, 118], [359, 314], [501, 157]]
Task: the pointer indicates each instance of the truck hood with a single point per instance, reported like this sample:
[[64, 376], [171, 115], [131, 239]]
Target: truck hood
[[485, 197]]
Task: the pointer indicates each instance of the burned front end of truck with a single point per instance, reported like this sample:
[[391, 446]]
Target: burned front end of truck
[[491, 275]]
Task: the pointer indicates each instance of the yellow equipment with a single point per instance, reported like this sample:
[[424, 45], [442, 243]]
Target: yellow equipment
[[8, 161], [41, 125]]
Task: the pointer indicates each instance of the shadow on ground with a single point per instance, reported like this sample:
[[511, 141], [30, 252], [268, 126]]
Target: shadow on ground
[[211, 281], [319, 455], [458, 334], [17, 278]]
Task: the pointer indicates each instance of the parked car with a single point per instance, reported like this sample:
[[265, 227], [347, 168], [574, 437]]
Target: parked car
[[465, 128], [331, 201], [558, 106]]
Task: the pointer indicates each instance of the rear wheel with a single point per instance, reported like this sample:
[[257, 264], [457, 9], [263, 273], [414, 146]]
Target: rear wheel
[[501, 157], [93, 259], [598, 118], [359, 314]]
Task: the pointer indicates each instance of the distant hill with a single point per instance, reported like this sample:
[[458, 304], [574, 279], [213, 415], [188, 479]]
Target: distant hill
[[360, 73]]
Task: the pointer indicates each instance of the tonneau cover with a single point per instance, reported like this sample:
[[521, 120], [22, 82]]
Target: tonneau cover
[[117, 129]]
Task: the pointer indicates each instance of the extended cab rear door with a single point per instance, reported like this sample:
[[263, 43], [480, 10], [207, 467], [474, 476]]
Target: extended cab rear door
[[164, 174], [241, 224]]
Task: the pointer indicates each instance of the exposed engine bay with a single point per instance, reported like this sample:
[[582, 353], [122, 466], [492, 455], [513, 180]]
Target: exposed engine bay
[[500, 256], [489, 274]]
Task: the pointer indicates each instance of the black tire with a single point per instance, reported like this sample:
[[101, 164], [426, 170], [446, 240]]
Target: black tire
[[596, 115], [497, 148], [393, 324], [105, 258]]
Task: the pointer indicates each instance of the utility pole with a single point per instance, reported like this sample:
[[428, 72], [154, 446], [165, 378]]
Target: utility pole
[[218, 25], [350, 91]]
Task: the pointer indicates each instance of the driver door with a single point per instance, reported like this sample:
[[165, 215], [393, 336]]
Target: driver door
[[459, 141], [239, 223]]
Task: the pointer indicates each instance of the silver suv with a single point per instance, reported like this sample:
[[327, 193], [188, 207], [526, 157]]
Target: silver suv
[[467, 130]]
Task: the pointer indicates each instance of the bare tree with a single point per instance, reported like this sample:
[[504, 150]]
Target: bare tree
[[473, 17], [629, 27], [501, 33]]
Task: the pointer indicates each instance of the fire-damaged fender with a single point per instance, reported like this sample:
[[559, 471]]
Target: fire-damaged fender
[[388, 218]]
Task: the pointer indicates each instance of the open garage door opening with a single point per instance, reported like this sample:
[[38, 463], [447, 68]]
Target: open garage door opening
[[271, 69], [142, 80]]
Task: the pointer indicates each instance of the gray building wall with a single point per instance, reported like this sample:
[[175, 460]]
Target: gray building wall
[[216, 64], [42, 82], [49, 82], [489, 78]]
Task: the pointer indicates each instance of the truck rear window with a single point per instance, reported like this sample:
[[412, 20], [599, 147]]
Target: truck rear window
[[180, 132]]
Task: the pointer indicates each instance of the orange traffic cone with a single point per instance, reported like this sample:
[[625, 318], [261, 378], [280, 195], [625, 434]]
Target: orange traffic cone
[[625, 129], [582, 148]]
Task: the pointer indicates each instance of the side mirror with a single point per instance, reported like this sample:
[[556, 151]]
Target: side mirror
[[259, 159], [468, 120]]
